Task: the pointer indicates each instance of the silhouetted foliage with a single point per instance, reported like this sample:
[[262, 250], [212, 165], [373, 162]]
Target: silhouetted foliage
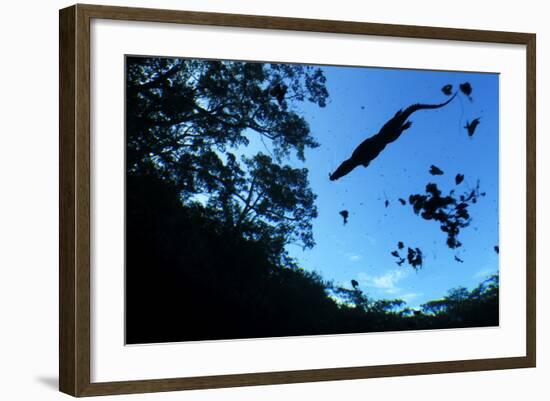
[[187, 118], [463, 308], [402, 201], [459, 178], [190, 277], [450, 212], [278, 91]]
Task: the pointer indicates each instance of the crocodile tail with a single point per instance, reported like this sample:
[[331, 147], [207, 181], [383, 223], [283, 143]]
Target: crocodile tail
[[418, 106]]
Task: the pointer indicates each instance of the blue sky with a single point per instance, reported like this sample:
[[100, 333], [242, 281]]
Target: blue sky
[[361, 101]]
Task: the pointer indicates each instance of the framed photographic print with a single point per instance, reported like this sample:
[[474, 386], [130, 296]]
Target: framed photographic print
[[251, 200]]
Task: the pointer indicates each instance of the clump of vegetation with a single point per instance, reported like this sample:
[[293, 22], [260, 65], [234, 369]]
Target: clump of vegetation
[[450, 211], [413, 256]]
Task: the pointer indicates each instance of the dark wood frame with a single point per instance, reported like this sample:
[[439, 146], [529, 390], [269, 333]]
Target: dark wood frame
[[74, 193]]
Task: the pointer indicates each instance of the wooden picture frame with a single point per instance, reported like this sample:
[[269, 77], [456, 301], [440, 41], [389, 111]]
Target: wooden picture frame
[[74, 293]]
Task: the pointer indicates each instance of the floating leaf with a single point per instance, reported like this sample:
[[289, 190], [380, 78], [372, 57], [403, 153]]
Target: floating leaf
[[434, 170]]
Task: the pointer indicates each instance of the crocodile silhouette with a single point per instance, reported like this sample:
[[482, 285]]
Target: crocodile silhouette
[[371, 147]]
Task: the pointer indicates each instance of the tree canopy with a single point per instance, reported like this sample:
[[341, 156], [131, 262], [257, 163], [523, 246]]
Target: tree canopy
[[187, 121]]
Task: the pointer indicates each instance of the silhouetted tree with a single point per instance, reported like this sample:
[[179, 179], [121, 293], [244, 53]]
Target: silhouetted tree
[[188, 119], [463, 308]]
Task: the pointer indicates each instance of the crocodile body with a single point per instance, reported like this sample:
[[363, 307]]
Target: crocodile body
[[371, 147]]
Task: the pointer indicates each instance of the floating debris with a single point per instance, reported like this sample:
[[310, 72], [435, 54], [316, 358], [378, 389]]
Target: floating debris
[[471, 126], [402, 201], [466, 88], [345, 215], [414, 257], [447, 89], [434, 170], [497, 249], [400, 260], [458, 259], [451, 213]]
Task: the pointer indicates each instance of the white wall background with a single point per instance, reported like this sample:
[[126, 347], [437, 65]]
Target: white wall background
[[28, 199]]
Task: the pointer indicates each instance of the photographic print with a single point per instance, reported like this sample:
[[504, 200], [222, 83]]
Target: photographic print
[[270, 199]]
